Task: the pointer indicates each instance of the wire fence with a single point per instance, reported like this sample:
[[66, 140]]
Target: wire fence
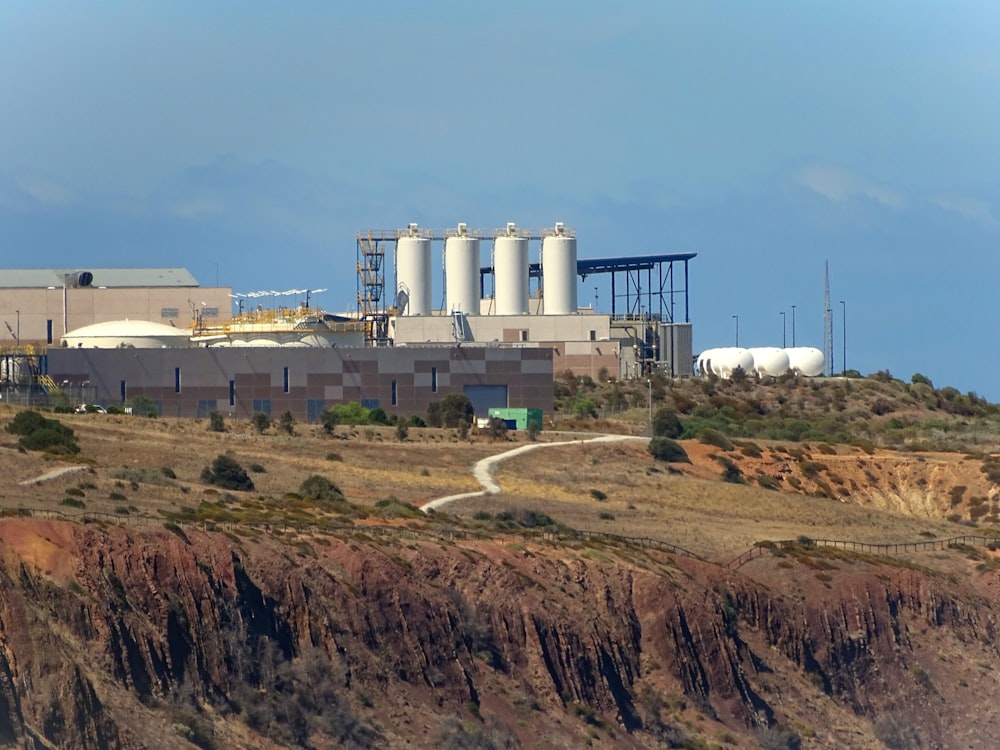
[[506, 536], [867, 548]]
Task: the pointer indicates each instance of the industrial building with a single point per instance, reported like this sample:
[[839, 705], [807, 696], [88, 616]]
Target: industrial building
[[502, 332]]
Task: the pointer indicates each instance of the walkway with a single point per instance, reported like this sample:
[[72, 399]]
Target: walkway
[[483, 470]]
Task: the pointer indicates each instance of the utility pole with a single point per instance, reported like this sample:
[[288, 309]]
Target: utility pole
[[784, 344], [793, 326], [827, 323], [843, 337], [737, 319]]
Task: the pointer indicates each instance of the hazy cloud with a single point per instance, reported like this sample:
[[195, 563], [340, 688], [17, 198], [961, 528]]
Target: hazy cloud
[[839, 185], [969, 208]]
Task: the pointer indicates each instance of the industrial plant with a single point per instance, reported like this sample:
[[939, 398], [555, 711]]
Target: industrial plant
[[500, 333]]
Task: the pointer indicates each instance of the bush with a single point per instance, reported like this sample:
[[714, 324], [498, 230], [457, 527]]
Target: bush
[[716, 438], [451, 411], [225, 472], [260, 422], [402, 431], [667, 424], [216, 422], [317, 487], [38, 433], [666, 449], [287, 423]]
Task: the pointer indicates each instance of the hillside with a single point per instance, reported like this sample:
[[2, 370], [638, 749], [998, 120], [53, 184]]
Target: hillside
[[162, 607]]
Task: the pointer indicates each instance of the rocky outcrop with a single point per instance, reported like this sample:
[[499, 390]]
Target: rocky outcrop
[[123, 638]]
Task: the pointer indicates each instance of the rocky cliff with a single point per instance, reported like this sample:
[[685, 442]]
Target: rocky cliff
[[129, 638]]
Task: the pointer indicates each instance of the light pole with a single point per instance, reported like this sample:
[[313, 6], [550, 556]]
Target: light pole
[[793, 326], [18, 334], [843, 338], [649, 387], [784, 343], [737, 319]]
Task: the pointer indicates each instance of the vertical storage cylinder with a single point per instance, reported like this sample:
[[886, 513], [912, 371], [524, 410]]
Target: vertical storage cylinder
[[559, 273], [510, 266], [461, 270], [413, 272]]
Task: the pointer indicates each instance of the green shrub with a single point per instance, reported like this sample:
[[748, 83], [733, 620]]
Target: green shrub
[[598, 495], [257, 468], [667, 424], [225, 472], [716, 438], [317, 487], [665, 449], [73, 502], [216, 422], [38, 433], [287, 423], [261, 422]]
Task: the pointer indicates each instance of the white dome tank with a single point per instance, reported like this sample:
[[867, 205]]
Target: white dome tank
[[806, 360], [559, 272], [769, 361], [510, 268], [723, 361], [413, 272], [461, 272]]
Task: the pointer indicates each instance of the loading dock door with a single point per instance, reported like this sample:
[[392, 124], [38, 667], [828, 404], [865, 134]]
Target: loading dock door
[[486, 397]]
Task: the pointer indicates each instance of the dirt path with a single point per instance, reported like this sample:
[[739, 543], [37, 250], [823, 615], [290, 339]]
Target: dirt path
[[52, 474], [484, 469]]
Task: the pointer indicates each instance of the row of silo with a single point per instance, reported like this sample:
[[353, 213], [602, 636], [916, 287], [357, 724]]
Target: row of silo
[[510, 268]]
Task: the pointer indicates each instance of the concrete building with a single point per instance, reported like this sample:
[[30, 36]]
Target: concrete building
[[41, 305], [402, 380]]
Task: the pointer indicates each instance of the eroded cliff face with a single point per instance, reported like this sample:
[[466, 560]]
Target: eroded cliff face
[[125, 638]]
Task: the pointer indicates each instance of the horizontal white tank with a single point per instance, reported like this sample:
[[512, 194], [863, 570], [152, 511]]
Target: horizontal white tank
[[769, 361], [413, 272], [806, 360], [461, 272], [510, 273], [723, 361], [559, 273]]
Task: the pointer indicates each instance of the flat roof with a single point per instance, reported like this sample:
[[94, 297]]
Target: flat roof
[[43, 278]]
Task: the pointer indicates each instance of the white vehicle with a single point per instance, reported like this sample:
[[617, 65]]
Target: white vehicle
[[91, 409]]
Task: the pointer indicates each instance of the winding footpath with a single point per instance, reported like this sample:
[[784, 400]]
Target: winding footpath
[[484, 469]]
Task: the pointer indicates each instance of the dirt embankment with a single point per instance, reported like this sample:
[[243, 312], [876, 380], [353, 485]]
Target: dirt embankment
[[112, 636]]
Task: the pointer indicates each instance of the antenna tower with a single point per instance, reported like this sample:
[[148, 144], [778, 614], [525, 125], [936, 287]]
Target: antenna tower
[[827, 324]]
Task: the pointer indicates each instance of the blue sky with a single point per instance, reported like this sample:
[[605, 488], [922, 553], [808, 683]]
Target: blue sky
[[250, 141]]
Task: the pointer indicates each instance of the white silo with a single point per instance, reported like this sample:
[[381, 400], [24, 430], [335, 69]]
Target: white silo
[[510, 269], [413, 272], [461, 271], [559, 271]]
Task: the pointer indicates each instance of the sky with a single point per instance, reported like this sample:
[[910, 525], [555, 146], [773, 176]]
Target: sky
[[250, 141]]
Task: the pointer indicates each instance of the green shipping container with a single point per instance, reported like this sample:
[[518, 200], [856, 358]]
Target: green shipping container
[[518, 419]]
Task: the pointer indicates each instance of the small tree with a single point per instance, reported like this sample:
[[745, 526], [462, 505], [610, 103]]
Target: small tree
[[497, 429], [216, 422], [225, 472], [666, 423], [402, 431], [532, 430], [260, 422], [329, 419], [287, 423]]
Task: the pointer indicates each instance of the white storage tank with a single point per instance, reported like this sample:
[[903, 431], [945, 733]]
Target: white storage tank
[[769, 361], [461, 272], [510, 272], [559, 272], [723, 361], [413, 272], [806, 360]]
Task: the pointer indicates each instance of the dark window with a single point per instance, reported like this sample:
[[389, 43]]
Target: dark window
[[177, 380], [434, 379], [232, 393], [262, 405], [593, 335], [524, 335], [48, 336], [369, 403], [286, 380], [393, 392], [124, 392], [205, 407], [170, 312], [209, 312]]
